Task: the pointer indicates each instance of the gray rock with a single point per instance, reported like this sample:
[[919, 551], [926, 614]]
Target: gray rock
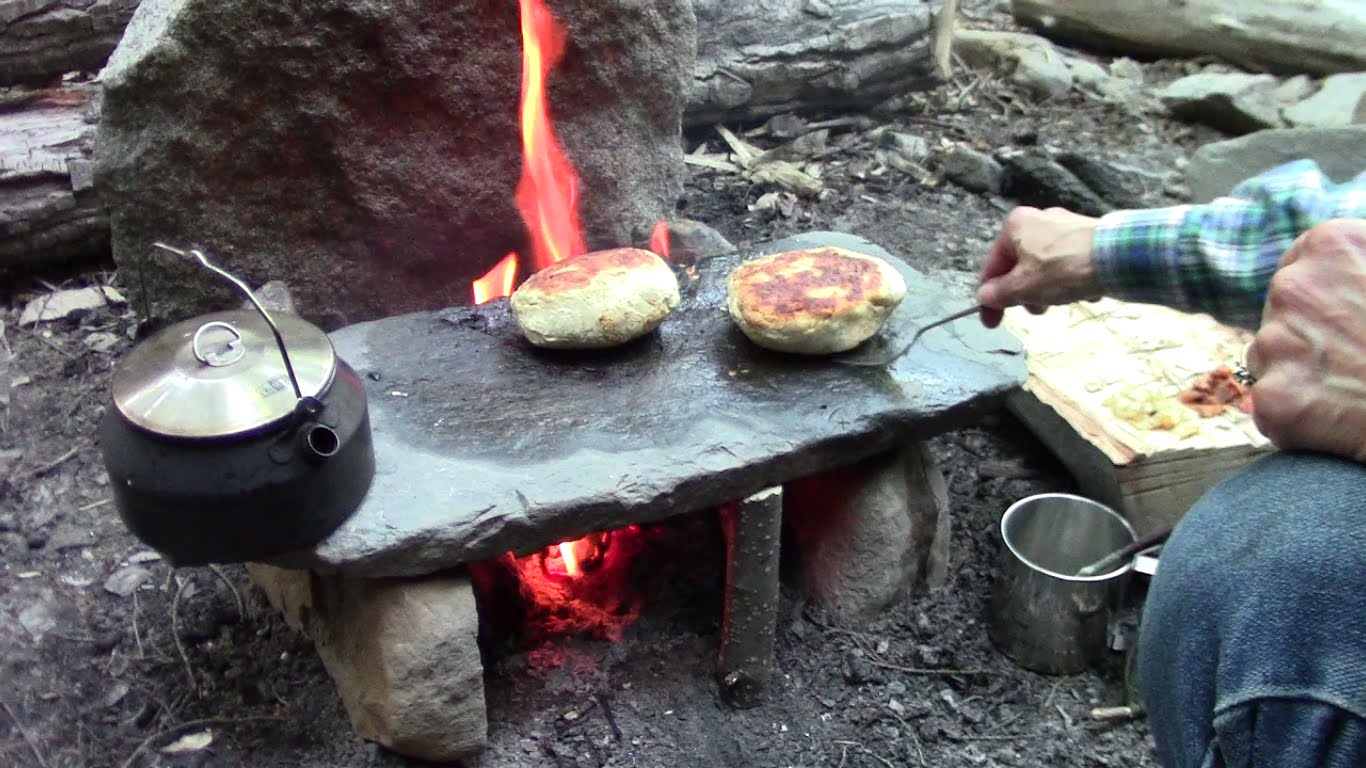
[[1215, 169], [1035, 179], [485, 445], [370, 159], [1335, 103], [1294, 89], [1123, 186], [692, 241], [1232, 102], [972, 170], [402, 652], [910, 147], [864, 534], [1044, 73]]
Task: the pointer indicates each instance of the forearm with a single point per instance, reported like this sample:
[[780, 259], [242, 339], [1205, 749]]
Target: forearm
[[1219, 257]]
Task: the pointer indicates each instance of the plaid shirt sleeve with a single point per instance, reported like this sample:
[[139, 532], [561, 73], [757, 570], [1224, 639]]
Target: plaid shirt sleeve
[[1219, 257]]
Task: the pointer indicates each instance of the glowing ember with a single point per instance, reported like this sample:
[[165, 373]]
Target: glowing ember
[[548, 192], [498, 282], [600, 601]]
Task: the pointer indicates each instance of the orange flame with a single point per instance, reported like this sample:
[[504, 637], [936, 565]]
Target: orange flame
[[498, 282], [571, 560], [548, 192], [547, 195], [659, 239]]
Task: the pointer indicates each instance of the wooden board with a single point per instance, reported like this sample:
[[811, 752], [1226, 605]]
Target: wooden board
[[1083, 354]]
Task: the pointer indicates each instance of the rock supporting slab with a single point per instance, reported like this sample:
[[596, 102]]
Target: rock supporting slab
[[484, 445], [402, 652], [869, 534], [368, 151]]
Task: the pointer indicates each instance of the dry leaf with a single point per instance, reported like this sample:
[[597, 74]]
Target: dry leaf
[[190, 742]]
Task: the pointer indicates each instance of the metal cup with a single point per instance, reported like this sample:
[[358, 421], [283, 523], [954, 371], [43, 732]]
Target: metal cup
[[1041, 615]]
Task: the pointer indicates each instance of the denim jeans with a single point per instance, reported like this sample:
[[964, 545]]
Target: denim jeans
[[1252, 648]]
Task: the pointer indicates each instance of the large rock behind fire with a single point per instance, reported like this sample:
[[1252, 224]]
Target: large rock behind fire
[[368, 150]]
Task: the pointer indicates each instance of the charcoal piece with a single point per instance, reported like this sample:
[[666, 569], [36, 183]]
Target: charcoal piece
[[484, 444]]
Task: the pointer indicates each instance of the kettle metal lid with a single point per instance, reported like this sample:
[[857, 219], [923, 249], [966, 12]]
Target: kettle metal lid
[[222, 374]]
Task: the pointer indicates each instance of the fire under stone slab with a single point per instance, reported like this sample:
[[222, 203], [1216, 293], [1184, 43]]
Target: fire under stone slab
[[485, 444]]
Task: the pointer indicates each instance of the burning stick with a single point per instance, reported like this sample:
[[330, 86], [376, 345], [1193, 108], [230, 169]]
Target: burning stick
[[752, 528]]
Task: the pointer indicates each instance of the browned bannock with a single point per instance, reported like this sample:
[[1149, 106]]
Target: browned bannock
[[817, 283], [576, 273]]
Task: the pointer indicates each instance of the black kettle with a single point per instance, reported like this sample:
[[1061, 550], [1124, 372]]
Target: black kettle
[[236, 436]]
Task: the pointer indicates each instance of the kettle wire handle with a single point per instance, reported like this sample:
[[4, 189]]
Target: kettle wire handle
[[199, 256]]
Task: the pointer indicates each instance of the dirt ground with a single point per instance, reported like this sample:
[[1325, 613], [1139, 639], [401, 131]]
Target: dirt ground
[[108, 655]]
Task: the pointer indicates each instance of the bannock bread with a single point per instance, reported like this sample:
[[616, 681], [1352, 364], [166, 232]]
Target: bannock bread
[[817, 301], [600, 299]]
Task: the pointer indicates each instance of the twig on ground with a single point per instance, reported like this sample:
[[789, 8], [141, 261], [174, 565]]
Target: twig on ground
[[60, 460], [137, 636], [1117, 714], [241, 604], [844, 755], [23, 731], [611, 719], [94, 505], [175, 634], [879, 758], [187, 725]]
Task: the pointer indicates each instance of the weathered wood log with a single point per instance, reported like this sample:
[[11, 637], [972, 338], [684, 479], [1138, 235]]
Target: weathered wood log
[[760, 58], [40, 40], [753, 528], [49, 211], [1316, 38]]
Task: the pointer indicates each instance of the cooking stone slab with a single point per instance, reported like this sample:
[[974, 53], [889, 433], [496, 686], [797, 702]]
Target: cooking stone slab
[[484, 444]]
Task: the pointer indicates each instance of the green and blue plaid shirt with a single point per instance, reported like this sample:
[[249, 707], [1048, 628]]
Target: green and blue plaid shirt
[[1218, 257]]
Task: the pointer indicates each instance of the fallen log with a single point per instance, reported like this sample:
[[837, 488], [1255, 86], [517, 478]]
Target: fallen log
[[40, 40], [49, 210], [1287, 38], [761, 58]]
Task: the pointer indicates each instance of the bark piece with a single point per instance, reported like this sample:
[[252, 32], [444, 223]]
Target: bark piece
[[870, 534], [40, 40], [765, 57], [49, 211], [1319, 38], [402, 652], [753, 529]]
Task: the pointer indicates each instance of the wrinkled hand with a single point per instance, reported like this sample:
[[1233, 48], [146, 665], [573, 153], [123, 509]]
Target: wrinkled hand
[[1309, 356], [1040, 258]]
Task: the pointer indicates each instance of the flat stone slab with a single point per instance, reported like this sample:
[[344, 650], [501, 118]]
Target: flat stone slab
[[485, 444]]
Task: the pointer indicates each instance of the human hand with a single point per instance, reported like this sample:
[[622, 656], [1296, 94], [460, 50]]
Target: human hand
[[1309, 356], [1040, 258]]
